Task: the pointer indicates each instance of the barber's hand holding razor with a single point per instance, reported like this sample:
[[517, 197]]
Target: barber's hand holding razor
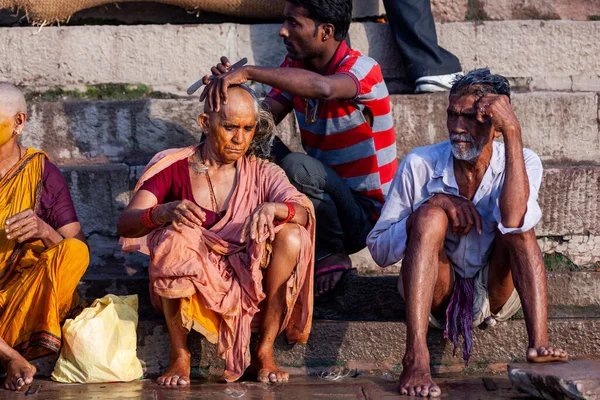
[[223, 75]]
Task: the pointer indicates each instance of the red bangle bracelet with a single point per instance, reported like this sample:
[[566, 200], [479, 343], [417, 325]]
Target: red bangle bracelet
[[291, 213], [146, 218]]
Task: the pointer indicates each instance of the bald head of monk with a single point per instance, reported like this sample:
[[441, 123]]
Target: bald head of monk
[[240, 127], [13, 113]]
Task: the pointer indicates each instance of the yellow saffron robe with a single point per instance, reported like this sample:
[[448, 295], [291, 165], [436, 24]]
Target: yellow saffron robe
[[37, 284]]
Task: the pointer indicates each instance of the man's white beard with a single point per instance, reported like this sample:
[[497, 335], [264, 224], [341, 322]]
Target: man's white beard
[[463, 153]]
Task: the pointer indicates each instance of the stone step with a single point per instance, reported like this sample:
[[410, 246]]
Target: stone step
[[546, 55], [370, 346], [560, 127], [569, 198], [545, 9], [371, 298]]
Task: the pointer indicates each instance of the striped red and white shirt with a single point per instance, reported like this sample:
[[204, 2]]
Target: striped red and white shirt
[[363, 155]]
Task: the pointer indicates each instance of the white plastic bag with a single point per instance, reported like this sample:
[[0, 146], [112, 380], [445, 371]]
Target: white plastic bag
[[100, 344]]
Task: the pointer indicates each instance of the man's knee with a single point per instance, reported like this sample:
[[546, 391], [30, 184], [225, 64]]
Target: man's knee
[[303, 169], [289, 238], [428, 220]]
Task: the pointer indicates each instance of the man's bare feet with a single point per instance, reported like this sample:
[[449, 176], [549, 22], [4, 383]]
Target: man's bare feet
[[266, 370], [544, 354], [178, 373], [415, 379], [18, 373], [327, 281]]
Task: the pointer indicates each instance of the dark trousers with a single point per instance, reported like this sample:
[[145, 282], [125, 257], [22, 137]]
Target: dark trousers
[[344, 219], [412, 24]]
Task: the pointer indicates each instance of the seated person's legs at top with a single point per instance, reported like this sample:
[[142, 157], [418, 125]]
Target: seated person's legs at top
[[43, 253], [227, 235], [428, 65], [461, 217]]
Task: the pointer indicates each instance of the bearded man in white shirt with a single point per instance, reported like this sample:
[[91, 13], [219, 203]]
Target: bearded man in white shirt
[[460, 214]]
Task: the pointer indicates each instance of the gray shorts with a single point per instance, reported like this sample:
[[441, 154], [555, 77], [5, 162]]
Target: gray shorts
[[481, 304]]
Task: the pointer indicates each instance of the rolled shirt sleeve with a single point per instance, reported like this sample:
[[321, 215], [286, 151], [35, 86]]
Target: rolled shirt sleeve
[[533, 167], [387, 240]]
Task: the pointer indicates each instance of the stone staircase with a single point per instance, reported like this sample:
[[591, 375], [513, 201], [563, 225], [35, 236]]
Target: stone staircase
[[105, 98]]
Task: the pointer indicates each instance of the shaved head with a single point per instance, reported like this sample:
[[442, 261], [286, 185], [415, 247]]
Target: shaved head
[[241, 92], [12, 100], [242, 100]]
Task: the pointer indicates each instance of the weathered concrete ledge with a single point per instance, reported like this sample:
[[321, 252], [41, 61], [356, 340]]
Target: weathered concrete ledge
[[374, 298], [539, 9], [559, 127], [170, 58], [569, 198], [368, 345], [379, 343]]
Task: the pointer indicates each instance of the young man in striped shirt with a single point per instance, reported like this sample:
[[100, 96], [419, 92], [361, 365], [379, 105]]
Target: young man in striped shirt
[[343, 109]]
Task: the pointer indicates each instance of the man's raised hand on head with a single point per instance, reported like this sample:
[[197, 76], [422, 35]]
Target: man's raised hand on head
[[497, 109]]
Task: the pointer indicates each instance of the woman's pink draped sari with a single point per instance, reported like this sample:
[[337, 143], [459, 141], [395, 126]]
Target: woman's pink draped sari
[[212, 266]]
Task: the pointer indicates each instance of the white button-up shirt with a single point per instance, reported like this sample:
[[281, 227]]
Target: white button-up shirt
[[428, 170]]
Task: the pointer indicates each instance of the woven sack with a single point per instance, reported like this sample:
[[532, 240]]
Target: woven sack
[[50, 11]]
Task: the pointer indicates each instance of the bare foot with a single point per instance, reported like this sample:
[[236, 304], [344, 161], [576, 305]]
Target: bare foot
[[328, 281], [544, 354], [178, 374], [266, 370], [18, 373], [415, 379]]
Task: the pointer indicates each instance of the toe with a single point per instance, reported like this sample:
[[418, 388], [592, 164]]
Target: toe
[[28, 378], [542, 351], [182, 382], [563, 353], [329, 283], [263, 377], [411, 391], [435, 391], [318, 286], [403, 390], [424, 391]]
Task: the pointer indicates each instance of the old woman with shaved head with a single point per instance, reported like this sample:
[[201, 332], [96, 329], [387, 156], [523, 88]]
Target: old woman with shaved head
[[43, 254], [228, 236]]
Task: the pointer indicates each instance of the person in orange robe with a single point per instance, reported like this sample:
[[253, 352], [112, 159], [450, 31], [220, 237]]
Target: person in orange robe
[[43, 253], [228, 235]]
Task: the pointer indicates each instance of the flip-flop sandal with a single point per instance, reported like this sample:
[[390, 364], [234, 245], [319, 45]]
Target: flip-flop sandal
[[341, 283]]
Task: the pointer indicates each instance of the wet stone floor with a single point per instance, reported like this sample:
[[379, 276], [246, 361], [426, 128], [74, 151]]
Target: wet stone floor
[[363, 387]]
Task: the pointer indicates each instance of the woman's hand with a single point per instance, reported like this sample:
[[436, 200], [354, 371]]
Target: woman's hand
[[26, 225], [260, 224], [180, 213]]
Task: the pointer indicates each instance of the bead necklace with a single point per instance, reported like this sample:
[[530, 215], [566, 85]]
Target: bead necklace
[[310, 117], [213, 198]]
